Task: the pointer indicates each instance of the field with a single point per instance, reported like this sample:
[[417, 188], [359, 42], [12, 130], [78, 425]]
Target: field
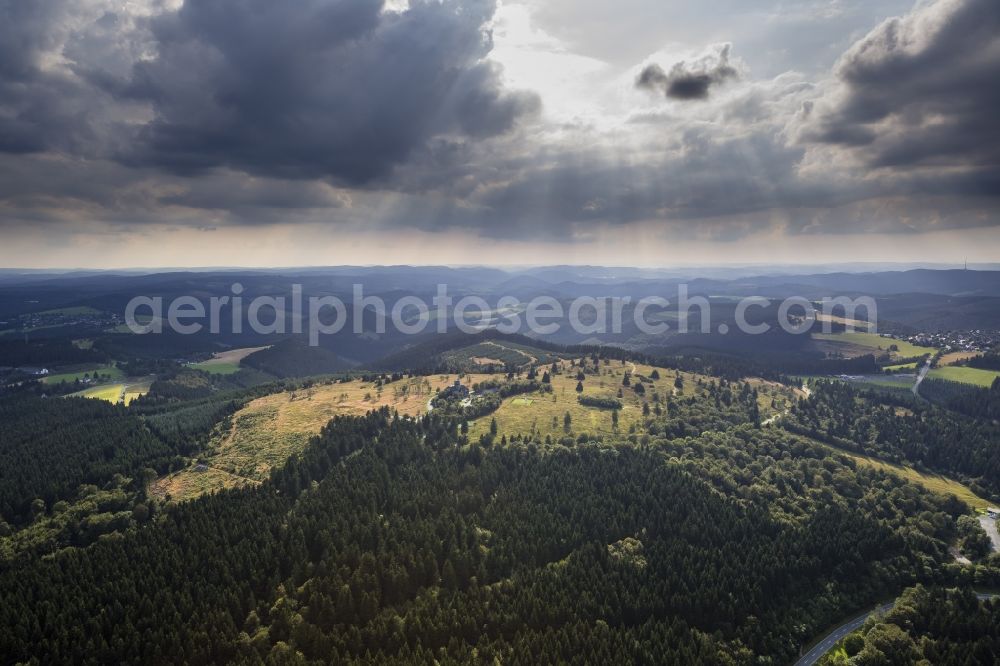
[[216, 368], [71, 374], [890, 381], [111, 392], [140, 319], [119, 392], [956, 357], [227, 362], [964, 375], [859, 344], [856, 323], [901, 382], [270, 429], [905, 367]]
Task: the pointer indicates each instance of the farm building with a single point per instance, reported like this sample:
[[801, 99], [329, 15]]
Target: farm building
[[456, 390]]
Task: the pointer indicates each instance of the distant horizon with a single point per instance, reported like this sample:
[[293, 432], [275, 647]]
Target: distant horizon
[[765, 268]]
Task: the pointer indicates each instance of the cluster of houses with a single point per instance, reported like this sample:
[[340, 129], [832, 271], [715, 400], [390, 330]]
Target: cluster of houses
[[950, 341], [30, 371], [71, 317]]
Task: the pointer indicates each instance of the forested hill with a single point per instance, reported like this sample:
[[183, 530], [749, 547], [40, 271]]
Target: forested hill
[[385, 542], [920, 434]]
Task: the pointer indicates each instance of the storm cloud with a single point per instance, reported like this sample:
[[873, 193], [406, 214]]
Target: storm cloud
[[689, 80], [418, 116], [317, 88], [337, 89], [921, 92]]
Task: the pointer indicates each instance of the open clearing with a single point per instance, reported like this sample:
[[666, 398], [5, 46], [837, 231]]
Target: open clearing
[[227, 362], [542, 414], [975, 376], [859, 344], [194, 481], [270, 429]]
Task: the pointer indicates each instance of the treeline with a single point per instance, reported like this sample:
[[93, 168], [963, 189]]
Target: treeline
[[975, 401], [49, 447], [927, 436], [944, 627], [779, 367], [188, 384], [988, 361], [424, 358], [599, 402], [511, 387]]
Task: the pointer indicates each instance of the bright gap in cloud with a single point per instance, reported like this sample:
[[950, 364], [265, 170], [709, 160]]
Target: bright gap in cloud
[[572, 86]]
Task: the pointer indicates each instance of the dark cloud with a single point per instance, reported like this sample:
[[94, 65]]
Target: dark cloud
[[337, 112], [689, 80], [689, 186], [317, 88], [38, 108], [329, 89], [921, 91]]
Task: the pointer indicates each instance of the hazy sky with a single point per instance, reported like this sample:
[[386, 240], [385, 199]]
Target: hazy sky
[[636, 132]]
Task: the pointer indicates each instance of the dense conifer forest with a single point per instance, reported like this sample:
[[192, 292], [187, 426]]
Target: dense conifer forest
[[932, 437], [700, 538]]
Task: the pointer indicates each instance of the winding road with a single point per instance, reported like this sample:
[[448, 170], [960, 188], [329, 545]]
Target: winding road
[[838, 634], [920, 377]]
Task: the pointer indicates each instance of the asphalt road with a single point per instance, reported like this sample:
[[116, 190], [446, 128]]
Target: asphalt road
[[920, 377], [837, 635], [840, 632]]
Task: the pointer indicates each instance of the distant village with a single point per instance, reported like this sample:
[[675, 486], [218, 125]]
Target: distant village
[[82, 317], [978, 340]]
